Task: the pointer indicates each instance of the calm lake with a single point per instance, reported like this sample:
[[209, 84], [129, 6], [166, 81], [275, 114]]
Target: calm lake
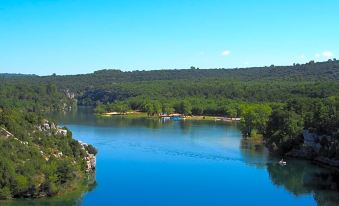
[[154, 163]]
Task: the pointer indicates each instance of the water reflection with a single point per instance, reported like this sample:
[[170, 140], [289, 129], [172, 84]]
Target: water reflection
[[301, 177], [85, 116], [254, 154], [71, 199], [155, 145]]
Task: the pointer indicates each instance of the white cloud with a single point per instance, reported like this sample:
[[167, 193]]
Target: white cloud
[[327, 54], [324, 55], [226, 53]]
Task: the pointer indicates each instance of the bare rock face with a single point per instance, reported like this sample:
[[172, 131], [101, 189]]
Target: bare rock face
[[45, 125], [51, 127], [61, 131], [311, 140], [90, 158], [91, 162], [69, 94], [320, 148]]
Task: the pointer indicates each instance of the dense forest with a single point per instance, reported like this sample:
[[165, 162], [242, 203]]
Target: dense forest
[[37, 157], [277, 103], [312, 71]]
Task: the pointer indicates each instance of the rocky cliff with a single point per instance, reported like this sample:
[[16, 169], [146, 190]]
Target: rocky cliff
[[50, 128], [89, 158], [320, 148]]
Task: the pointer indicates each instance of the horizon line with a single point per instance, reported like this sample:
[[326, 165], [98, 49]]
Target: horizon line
[[149, 70]]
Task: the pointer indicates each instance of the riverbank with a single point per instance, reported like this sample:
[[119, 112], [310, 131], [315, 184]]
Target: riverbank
[[36, 169], [138, 114], [320, 149], [131, 114], [214, 149], [317, 148], [71, 193]]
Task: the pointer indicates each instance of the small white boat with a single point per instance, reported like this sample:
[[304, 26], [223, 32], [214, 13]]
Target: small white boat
[[282, 162]]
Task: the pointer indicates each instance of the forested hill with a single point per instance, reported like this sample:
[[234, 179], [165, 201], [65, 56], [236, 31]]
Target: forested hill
[[4, 75], [37, 157], [278, 103], [327, 71]]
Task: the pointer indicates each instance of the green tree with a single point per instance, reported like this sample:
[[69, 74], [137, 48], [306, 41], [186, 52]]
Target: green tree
[[157, 107], [254, 117], [149, 108], [5, 193], [7, 171], [167, 109], [284, 130], [186, 107], [121, 107], [198, 109], [100, 108], [21, 184], [52, 89]]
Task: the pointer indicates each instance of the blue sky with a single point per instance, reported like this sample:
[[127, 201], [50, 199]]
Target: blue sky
[[81, 36]]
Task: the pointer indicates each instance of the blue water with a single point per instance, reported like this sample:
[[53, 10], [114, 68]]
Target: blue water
[[172, 165], [151, 163]]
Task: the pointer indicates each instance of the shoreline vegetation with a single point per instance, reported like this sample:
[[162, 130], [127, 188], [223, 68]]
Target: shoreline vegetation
[[294, 109], [278, 103], [139, 114], [38, 158], [72, 192]]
